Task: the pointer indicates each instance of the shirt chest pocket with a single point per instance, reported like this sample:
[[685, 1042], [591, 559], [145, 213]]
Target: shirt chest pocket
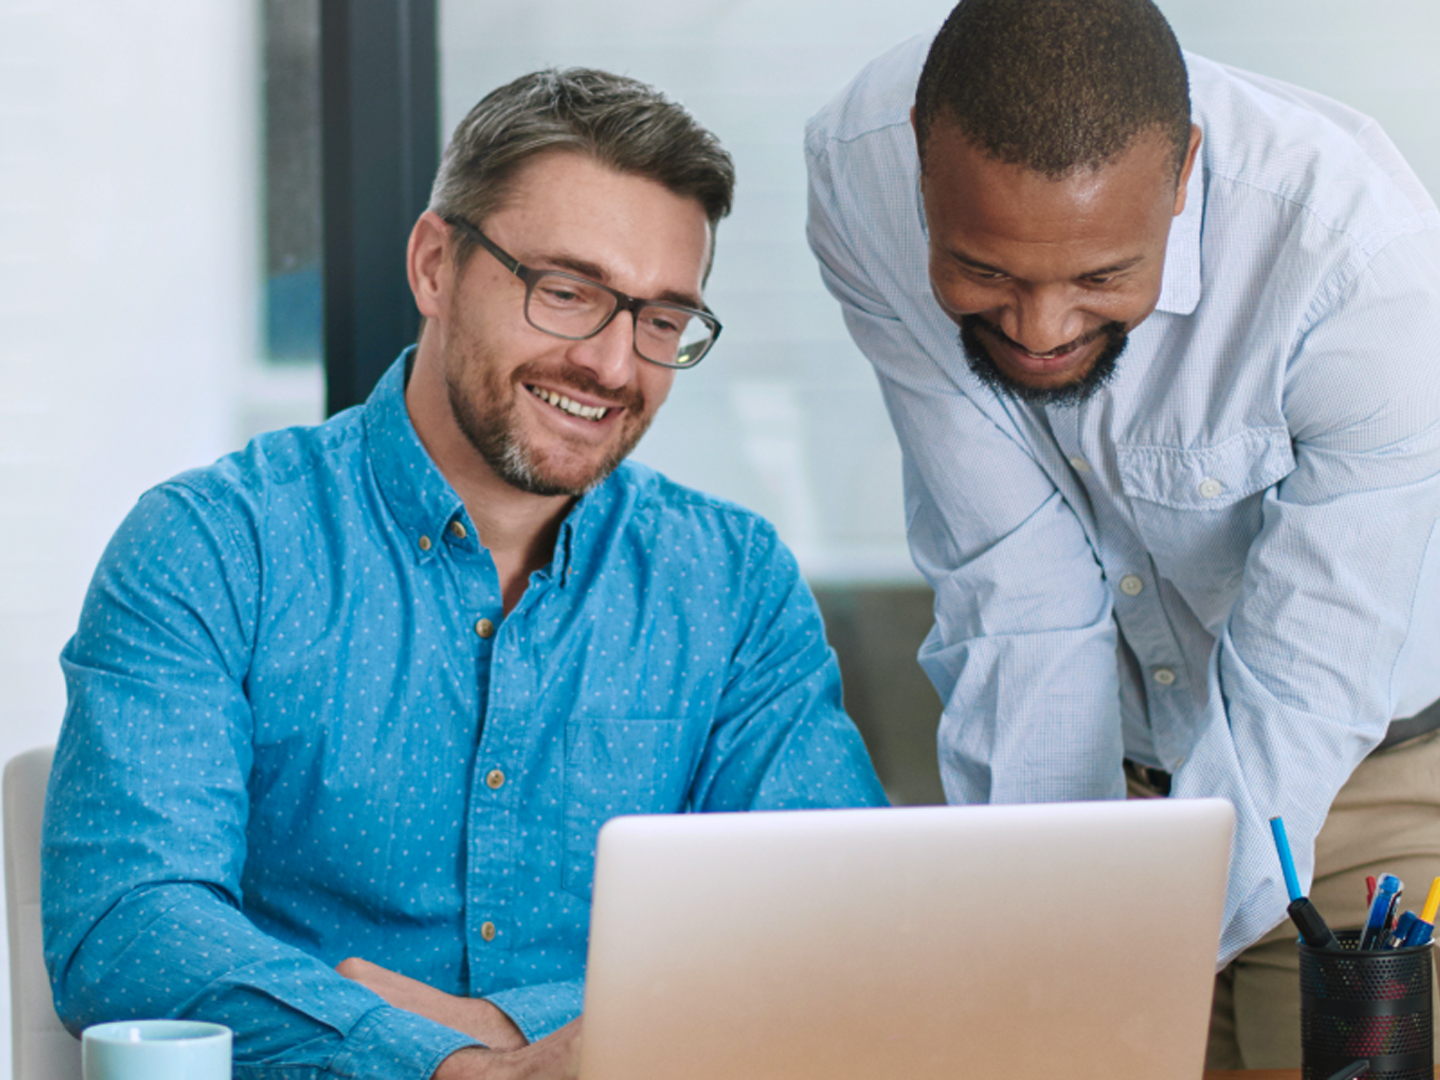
[[1198, 510], [617, 766]]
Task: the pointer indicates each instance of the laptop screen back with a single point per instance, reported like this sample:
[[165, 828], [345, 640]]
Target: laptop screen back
[[1074, 940]]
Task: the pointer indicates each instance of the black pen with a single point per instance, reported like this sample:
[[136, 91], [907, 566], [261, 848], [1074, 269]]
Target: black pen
[[1313, 930]]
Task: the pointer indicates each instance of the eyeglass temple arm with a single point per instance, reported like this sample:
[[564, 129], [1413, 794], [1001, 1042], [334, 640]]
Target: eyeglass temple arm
[[506, 260]]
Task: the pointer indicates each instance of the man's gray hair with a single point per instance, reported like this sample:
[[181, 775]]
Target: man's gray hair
[[618, 121]]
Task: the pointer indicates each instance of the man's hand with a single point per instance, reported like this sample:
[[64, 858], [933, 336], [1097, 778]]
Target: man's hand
[[473, 1016], [555, 1057]]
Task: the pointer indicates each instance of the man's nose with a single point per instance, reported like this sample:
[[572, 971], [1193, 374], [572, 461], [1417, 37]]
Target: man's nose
[[610, 354], [1043, 320]]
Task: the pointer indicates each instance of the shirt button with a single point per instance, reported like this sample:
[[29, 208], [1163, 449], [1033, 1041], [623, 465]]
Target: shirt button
[[496, 779], [424, 543], [1210, 488], [485, 628], [487, 931], [1131, 585], [457, 530], [1079, 464], [1164, 676]]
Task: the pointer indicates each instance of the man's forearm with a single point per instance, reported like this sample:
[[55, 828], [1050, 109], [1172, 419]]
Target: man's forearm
[[555, 1057], [475, 1017], [155, 954]]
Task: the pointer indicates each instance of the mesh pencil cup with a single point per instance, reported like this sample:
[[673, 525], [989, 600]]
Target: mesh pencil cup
[[1375, 1004]]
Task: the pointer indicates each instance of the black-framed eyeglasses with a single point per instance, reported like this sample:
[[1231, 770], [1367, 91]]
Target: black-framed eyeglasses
[[572, 307]]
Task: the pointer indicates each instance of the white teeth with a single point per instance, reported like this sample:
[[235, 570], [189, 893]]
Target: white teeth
[[574, 408]]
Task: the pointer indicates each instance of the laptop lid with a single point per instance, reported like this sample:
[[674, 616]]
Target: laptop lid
[[1074, 939]]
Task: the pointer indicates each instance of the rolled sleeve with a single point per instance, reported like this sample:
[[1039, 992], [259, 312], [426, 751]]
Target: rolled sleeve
[[386, 1043], [540, 1009]]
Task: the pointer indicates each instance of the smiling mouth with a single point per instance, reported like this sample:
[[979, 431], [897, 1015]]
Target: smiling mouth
[[1044, 363], [565, 405], [1069, 348], [1048, 363], [1054, 354]]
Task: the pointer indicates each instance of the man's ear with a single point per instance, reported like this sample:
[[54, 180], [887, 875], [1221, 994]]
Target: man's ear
[[429, 264], [1187, 168]]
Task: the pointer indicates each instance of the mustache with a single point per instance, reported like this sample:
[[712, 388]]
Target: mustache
[[581, 381]]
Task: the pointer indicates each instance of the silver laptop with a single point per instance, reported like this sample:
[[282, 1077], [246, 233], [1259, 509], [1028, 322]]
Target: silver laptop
[[1072, 940]]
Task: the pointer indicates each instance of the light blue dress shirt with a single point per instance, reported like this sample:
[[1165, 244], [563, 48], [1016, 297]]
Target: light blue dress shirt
[[1226, 563], [301, 729]]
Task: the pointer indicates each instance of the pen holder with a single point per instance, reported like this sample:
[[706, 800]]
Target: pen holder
[[1374, 1004]]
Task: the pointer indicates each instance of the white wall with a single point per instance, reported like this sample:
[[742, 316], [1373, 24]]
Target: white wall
[[1378, 57], [784, 415], [128, 226]]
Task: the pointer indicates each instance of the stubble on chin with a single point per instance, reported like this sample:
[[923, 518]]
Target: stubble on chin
[[487, 411]]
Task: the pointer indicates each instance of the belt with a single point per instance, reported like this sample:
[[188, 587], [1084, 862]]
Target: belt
[[1402, 730], [1422, 723], [1157, 780]]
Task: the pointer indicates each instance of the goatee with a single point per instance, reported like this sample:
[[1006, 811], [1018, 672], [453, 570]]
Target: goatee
[[1113, 335]]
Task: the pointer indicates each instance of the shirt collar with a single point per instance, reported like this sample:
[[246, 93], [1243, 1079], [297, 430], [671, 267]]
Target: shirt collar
[[421, 500], [1180, 291], [599, 513]]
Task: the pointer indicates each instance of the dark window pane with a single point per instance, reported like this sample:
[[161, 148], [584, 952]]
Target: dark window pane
[[293, 310]]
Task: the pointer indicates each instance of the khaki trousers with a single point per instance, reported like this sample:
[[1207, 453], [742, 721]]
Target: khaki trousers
[[1386, 819]]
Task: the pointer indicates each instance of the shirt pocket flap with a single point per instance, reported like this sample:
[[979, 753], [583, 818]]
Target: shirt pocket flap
[[1206, 478], [614, 766]]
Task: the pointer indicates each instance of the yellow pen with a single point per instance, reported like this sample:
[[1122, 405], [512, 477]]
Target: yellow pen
[[1422, 929], [1432, 903]]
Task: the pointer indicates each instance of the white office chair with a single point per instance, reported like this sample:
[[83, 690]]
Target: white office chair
[[42, 1048]]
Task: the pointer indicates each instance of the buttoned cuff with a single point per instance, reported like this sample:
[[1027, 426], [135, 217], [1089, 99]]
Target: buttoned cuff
[[540, 1009], [392, 1044]]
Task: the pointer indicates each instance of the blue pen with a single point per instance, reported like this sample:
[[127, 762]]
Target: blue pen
[[1423, 929], [1408, 924], [1287, 861], [1382, 912]]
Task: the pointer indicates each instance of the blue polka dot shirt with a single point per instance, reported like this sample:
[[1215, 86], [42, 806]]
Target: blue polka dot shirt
[[301, 728]]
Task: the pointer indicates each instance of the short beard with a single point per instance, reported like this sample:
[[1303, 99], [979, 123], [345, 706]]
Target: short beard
[[1070, 394], [488, 421]]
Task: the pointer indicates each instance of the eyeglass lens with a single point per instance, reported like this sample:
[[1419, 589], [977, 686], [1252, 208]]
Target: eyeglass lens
[[574, 308]]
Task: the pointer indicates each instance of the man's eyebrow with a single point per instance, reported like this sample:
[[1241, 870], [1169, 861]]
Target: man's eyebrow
[[596, 272], [976, 264], [1121, 266]]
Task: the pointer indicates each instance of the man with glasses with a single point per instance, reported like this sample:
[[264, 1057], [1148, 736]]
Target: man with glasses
[[360, 696]]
